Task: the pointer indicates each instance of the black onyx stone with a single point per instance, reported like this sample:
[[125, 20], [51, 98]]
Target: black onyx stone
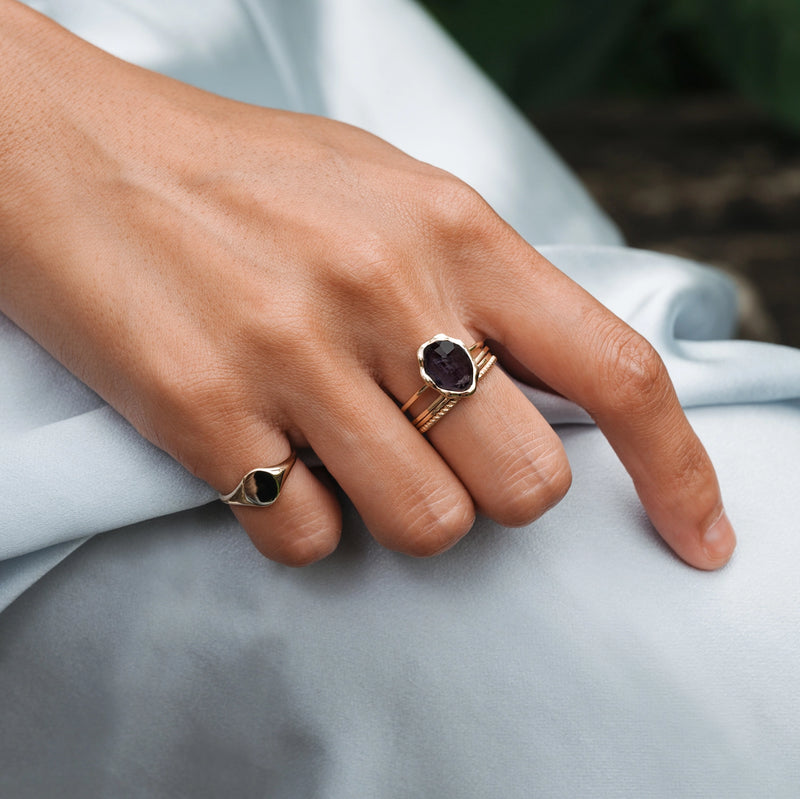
[[266, 487], [448, 365]]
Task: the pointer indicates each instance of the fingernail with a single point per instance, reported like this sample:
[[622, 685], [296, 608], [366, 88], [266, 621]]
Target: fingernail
[[719, 540]]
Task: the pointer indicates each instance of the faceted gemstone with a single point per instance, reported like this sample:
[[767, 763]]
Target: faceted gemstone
[[266, 487], [448, 365]]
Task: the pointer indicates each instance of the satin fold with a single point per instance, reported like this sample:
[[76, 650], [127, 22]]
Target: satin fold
[[81, 469]]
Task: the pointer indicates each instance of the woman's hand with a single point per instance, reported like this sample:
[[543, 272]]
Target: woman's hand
[[237, 280]]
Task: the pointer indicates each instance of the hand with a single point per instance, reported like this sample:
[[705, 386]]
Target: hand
[[238, 280]]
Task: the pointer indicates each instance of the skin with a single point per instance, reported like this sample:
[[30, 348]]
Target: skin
[[160, 241]]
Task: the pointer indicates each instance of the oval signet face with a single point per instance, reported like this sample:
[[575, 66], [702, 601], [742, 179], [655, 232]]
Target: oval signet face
[[266, 487], [449, 366]]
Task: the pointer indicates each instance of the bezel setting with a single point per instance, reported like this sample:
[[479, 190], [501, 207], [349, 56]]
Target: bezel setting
[[261, 487], [470, 371]]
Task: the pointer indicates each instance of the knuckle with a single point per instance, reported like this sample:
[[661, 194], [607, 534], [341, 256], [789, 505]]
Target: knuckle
[[280, 332], [301, 552], [387, 287], [301, 549], [692, 470], [633, 374], [375, 276], [533, 485], [435, 524], [555, 485], [454, 209], [372, 264], [203, 397]]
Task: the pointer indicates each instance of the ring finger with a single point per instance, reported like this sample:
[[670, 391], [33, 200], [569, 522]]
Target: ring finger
[[505, 453]]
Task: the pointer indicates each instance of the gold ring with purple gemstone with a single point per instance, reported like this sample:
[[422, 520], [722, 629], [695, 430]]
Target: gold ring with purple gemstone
[[449, 368], [261, 487]]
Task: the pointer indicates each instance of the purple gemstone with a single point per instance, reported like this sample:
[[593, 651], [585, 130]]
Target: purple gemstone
[[448, 365]]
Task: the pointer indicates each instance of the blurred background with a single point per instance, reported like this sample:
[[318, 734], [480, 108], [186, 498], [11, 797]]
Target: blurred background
[[682, 117]]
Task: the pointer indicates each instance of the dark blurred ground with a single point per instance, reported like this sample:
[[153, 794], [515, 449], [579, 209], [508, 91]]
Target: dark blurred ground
[[708, 178]]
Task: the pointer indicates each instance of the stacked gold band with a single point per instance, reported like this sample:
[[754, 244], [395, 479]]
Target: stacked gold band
[[444, 403]]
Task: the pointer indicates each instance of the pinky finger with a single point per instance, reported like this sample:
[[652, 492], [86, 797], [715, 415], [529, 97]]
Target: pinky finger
[[302, 526]]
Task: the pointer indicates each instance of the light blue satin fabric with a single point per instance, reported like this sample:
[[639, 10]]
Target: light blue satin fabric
[[577, 657]]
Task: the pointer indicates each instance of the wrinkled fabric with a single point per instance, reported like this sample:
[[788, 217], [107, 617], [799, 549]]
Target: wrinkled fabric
[[147, 650]]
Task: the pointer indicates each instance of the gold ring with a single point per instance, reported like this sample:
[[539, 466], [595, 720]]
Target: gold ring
[[261, 487], [449, 368]]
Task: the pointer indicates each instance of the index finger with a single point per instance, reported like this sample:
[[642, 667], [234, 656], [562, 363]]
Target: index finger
[[577, 346]]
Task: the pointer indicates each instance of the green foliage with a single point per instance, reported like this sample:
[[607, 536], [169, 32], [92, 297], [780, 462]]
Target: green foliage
[[755, 45], [548, 51], [547, 47]]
